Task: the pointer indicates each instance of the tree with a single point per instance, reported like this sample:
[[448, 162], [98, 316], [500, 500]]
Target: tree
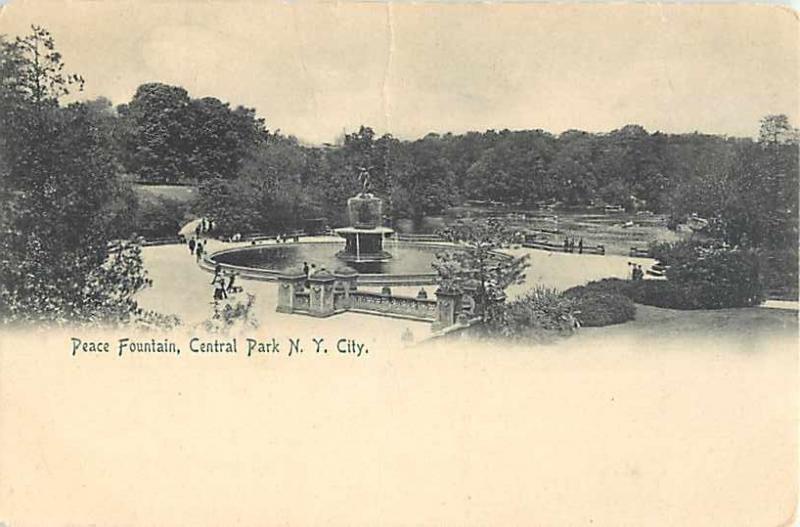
[[422, 180], [477, 266], [168, 137], [33, 70], [221, 138], [776, 130], [155, 133], [272, 192], [61, 186]]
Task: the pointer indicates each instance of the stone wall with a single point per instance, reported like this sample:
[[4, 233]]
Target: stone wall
[[328, 294]]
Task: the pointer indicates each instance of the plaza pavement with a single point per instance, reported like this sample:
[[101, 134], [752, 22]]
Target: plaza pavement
[[180, 287]]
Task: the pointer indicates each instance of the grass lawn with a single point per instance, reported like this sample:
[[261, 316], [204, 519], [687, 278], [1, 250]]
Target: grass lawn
[[155, 193]]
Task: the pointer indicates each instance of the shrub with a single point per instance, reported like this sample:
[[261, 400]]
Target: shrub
[[718, 277], [662, 293], [685, 289], [606, 285], [668, 253], [232, 316], [700, 275], [596, 308], [539, 315]]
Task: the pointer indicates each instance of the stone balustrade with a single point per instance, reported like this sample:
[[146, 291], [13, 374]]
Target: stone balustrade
[[401, 306], [302, 301], [325, 294]]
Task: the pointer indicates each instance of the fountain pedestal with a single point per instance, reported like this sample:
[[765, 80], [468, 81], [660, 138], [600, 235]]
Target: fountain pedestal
[[364, 238]]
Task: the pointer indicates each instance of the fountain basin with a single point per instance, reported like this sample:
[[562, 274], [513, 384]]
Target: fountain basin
[[410, 262]]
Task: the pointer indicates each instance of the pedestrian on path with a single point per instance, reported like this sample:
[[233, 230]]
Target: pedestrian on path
[[219, 289]]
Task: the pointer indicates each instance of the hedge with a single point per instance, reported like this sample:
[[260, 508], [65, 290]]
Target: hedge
[[601, 308], [669, 294]]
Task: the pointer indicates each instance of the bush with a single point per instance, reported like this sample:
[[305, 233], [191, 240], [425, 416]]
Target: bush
[[662, 293], [616, 286], [232, 316], [595, 308], [668, 252], [713, 283], [718, 277], [700, 275], [539, 315]]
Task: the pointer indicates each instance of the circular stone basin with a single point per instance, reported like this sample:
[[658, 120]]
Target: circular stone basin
[[407, 258]]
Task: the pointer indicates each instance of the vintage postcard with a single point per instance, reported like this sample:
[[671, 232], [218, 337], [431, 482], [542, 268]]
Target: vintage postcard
[[393, 263]]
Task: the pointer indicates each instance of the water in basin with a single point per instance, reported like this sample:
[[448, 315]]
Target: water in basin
[[407, 259]]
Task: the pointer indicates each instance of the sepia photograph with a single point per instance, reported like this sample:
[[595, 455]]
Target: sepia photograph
[[390, 263]]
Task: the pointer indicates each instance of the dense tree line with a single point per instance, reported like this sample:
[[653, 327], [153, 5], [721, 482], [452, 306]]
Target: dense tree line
[[254, 179], [746, 189]]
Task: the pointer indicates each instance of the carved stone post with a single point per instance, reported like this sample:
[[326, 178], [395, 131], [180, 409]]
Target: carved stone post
[[321, 298], [288, 284], [468, 304], [347, 279], [448, 306]]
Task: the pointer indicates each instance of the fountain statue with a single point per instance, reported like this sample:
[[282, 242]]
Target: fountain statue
[[364, 237]]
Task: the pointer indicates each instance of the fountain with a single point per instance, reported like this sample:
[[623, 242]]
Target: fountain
[[364, 237], [358, 248]]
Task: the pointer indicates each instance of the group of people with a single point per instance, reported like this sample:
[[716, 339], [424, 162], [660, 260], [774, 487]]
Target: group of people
[[569, 245], [636, 272], [310, 270], [203, 226], [221, 288], [197, 247]]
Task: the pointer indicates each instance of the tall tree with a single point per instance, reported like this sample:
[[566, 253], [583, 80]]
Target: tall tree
[[776, 130], [168, 137], [54, 259], [155, 133]]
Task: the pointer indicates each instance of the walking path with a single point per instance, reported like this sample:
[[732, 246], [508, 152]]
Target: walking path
[[180, 287], [782, 304]]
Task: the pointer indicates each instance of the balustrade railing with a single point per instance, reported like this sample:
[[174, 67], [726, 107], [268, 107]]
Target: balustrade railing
[[302, 300], [424, 309]]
